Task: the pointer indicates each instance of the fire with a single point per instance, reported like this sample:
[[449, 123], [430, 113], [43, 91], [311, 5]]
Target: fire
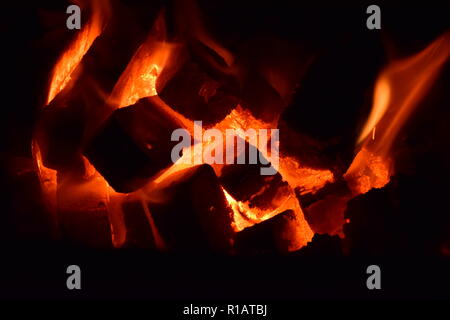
[[72, 56], [368, 171], [240, 118], [398, 91], [381, 99], [308, 180], [244, 216], [140, 77], [243, 213]]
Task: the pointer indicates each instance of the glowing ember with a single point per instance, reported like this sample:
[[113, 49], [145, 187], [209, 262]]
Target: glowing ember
[[139, 78], [244, 216], [308, 180], [244, 213], [71, 58], [368, 171], [240, 118]]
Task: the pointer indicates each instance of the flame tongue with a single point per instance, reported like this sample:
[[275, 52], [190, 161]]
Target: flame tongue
[[398, 91], [400, 88]]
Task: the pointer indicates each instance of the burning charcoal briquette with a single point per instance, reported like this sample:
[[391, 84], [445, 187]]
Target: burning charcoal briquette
[[191, 212], [134, 144], [198, 96]]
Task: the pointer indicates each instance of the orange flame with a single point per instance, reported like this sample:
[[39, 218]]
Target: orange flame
[[398, 91], [63, 71]]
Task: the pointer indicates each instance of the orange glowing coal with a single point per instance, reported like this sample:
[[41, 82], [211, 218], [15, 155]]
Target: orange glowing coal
[[64, 69], [398, 91], [243, 212], [139, 79]]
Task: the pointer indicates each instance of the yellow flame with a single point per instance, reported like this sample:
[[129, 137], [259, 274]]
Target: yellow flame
[[380, 103], [399, 89]]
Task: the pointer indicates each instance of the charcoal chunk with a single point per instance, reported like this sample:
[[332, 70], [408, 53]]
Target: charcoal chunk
[[199, 96], [277, 234], [134, 144], [191, 212]]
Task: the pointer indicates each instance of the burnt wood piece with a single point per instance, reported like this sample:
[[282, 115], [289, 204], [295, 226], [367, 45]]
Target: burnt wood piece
[[277, 234], [134, 144], [191, 213], [199, 96]]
